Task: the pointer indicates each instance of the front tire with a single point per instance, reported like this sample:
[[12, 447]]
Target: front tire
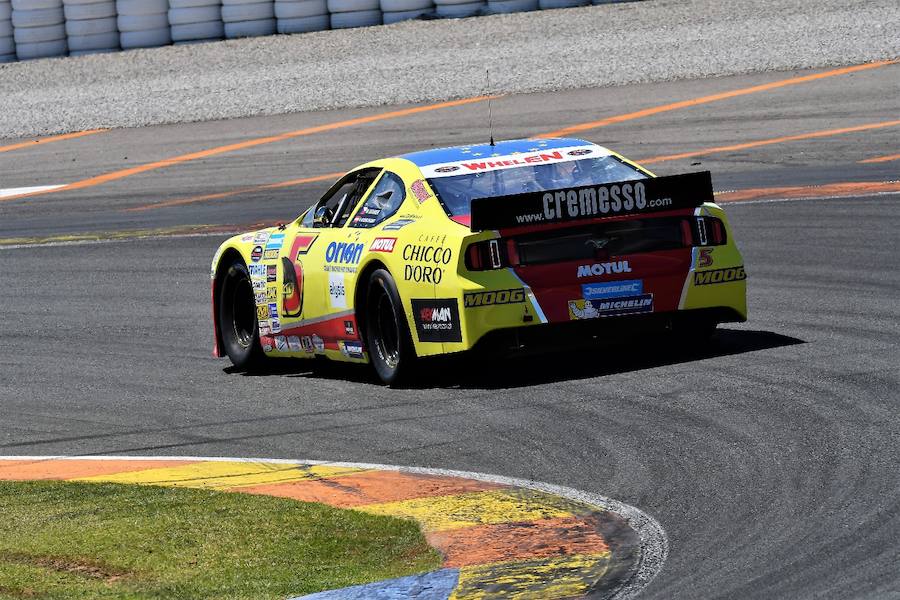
[[387, 334], [237, 318]]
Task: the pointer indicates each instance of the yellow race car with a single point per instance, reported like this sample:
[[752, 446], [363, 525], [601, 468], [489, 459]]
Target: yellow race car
[[520, 244]]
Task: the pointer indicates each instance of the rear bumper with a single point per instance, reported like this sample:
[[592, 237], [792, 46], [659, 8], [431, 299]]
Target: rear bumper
[[533, 339]]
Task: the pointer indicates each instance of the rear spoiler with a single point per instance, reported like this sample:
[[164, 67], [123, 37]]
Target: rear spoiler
[[632, 197]]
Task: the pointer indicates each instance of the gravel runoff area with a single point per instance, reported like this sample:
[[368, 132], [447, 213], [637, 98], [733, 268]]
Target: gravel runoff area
[[422, 61]]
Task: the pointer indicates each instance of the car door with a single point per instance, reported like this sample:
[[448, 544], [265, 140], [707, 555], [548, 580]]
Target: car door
[[314, 258]]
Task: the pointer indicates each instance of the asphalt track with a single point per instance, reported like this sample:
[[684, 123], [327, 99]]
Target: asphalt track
[[770, 458]]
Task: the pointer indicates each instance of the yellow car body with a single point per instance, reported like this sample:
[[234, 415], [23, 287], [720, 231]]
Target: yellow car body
[[309, 277]]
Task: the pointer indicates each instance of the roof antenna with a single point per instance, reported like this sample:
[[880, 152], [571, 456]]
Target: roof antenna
[[487, 75]]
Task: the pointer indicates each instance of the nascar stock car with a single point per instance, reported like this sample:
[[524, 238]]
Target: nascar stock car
[[438, 251]]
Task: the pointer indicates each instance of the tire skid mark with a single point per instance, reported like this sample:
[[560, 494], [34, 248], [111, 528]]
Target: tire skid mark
[[499, 537]]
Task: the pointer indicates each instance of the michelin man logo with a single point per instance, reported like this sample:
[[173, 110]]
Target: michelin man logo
[[588, 312]]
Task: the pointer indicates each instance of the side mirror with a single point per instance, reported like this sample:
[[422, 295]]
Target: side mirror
[[323, 217]]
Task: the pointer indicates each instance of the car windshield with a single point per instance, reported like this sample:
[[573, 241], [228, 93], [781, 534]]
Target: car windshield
[[457, 192]]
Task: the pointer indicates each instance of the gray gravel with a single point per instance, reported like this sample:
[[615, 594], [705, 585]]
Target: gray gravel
[[431, 60]]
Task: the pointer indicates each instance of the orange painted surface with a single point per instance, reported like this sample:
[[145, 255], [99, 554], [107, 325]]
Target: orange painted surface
[[230, 193], [769, 142], [251, 143], [75, 468], [371, 487], [518, 541], [49, 140], [816, 191], [647, 112], [881, 159]]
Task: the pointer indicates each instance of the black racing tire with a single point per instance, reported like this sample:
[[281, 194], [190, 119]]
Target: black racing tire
[[237, 318], [387, 333]]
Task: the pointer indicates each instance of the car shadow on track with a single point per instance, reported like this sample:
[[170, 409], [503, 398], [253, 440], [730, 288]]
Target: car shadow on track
[[490, 372], [606, 359]]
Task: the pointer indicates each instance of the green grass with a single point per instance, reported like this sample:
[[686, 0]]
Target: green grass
[[84, 540]]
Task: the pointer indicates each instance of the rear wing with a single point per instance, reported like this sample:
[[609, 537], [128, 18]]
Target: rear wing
[[632, 197]]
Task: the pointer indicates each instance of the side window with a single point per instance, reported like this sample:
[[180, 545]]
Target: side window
[[339, 201], [383, 202]]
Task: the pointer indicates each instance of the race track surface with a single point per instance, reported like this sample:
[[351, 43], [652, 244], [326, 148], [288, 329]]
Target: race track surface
[[770, 457]]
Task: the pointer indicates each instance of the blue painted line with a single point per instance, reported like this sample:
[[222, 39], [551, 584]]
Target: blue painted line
[[435, 585]]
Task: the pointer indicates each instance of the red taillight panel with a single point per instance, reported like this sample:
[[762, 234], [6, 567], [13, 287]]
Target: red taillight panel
[[487, 255]]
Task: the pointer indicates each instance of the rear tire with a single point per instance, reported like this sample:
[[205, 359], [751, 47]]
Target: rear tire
[[387, 334], [237, 318]]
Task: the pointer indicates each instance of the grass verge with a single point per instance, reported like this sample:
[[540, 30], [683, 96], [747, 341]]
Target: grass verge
[[67, 541]]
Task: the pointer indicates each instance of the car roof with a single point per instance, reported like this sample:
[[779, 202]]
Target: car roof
[[457, 153]]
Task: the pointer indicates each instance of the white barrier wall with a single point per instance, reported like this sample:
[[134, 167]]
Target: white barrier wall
[[195, 20], [248, 18], [300, 16], [393, 11], [39, 28], [46, 28], [143, 23], [91, 26], [7, 42]]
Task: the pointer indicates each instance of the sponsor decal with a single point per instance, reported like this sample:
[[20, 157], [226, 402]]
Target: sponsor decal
[[276, 325], [266, 341], [256, 254], [271, 273], [307, 344], [580, 152], [336, 290], [611, 307], [259, 285], [270, 254], [318, 343], [398, 224], [262, 312], [612, 289], [720, 276], [342, 257], [273, 310], [247, 238], [704, 257], [349, 328], [257, 271], [630, 197], [434, 257], [292, 288], [437, 320], [281, 343], [261, 237], [508, 161], [271, 293], [351, 349], [419, 191], [275, 241], [606, 268], [302, 243], [367, 215], [383, 245], [473, 299], [261, 297], [294, 343]]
